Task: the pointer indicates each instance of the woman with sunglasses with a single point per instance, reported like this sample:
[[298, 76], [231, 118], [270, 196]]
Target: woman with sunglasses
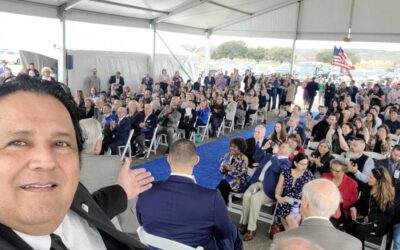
[[348, 189], [374, 211], [290, 184]]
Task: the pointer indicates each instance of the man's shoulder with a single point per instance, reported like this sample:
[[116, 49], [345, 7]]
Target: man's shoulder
[[317, 234]]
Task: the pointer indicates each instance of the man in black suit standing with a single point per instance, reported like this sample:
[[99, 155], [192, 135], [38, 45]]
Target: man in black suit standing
[[117, 79], [312, 88], [43, 205], [255, 142], [148, 81]]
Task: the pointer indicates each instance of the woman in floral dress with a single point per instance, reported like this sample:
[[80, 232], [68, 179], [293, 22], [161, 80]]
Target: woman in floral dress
[[290, 184]]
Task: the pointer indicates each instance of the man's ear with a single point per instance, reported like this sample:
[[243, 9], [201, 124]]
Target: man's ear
[[197, 160], [97, 147]]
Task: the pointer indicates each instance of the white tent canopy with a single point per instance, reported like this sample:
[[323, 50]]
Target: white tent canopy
[[369, 20]]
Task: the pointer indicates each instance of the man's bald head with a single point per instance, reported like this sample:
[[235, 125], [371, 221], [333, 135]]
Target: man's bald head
[[320, 197], [294, 243]]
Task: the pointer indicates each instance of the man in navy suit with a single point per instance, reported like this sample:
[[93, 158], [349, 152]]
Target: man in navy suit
[[294, 128], [252, 143], [209, 80], [147, 126], [120, 130], [262, 185], [178, 209]]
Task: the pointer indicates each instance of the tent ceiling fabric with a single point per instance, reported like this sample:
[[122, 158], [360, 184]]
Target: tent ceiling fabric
[[319, 19]]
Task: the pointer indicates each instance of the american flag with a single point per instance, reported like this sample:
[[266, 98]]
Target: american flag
[[340, 59]]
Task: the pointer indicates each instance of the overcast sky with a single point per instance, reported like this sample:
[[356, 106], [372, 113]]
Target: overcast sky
[[42, 35]]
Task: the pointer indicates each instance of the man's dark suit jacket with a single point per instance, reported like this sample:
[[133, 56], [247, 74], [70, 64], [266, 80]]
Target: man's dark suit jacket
[[120, 134], [102, 205], [271, 176], [251, 149], [320, 130], [300, 131], [180, 210], [209, 82], [114, 78]]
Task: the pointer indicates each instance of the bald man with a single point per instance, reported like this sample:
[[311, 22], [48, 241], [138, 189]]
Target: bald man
[[320, 199], [295, 243]]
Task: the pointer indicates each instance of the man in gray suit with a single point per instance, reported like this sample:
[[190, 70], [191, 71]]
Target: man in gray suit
[[320, 199], [168, 121], [98, 171]]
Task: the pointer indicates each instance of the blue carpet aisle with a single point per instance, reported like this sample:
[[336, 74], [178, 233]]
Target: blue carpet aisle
[[206, 172]]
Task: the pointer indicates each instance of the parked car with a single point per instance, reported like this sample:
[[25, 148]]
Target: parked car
[[10, 56]]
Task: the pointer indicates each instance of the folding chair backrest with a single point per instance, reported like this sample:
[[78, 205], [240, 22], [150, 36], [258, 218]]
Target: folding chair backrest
[[162, 243], [374, 155], [312, 145], [127, 145]]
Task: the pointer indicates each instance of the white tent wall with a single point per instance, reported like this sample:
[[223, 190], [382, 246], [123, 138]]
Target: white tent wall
[[39, 60], [171, 65], [131, 65]]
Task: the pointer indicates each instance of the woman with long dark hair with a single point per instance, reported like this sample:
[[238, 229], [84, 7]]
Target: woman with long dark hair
[[290, 184], [376, 207]]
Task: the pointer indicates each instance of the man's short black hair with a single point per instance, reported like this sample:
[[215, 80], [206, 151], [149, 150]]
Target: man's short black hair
[[183, 151], [23, 83]]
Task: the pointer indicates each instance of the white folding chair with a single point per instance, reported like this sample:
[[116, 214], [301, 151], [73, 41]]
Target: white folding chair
[[312, 145], [374, 155], [371, 245], [127, 147], [308, 152], [153, 143], [394, 139], [162, 243], [221, 128], [205, 128]]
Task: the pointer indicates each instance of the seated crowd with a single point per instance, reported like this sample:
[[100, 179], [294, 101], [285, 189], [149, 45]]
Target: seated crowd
[[357, 193]]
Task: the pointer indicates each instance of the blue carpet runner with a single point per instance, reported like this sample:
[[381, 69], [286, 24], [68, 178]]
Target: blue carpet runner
[[207, 171]]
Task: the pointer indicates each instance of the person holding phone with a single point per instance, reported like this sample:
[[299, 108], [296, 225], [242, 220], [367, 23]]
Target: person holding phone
[[234, 169], [375, 210]]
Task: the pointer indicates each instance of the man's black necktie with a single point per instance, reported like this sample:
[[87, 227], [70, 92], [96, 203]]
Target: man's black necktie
[[57, 243]]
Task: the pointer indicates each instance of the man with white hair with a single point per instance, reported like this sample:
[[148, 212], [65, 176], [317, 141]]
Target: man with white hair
[[360, 165], [293, 127], [320, 199], [120, 130], [99, 171], [253, 143]]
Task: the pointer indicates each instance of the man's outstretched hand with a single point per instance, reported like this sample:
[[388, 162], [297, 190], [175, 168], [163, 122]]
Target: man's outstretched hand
[[134, 181]]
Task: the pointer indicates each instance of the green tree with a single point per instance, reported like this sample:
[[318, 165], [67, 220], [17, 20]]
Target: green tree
[[324, 56], [279, 54], [231, 50], [256, 53]]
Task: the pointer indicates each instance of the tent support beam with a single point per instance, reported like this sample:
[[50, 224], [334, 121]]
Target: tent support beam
[[130, 6], [71, 4], [295, 38], [348, 38], [229, 8], [174, 56], [208, 48], [62, 69], [153, 26], [181, 9], [258, 13]]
